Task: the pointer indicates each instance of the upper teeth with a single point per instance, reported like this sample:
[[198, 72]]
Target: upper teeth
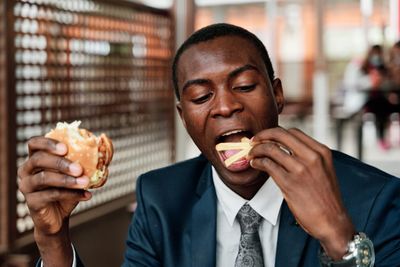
[[232, 132]]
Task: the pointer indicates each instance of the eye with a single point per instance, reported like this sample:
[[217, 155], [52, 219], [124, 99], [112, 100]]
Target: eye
[[245, 88], [201, 99]]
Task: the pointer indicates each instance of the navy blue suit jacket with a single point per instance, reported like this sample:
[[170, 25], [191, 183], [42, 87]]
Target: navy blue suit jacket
[[175, 221]]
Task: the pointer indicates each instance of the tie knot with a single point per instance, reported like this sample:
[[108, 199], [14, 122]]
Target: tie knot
[[249, 219]]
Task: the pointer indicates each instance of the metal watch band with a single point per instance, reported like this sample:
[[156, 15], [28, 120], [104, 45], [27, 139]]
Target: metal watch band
[[326, 261], [360, 253]]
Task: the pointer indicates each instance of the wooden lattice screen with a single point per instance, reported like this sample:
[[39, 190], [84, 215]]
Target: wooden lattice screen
[[3, 136], [106, 63]]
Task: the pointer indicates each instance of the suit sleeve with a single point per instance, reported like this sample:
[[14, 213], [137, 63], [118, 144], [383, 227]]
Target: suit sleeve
[[384, 225], [140, 249]]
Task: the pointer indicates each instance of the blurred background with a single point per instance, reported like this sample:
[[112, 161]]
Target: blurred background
[[107, 63]]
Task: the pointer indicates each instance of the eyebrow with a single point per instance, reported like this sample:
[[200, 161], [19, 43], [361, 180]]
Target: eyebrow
[[195, 81], [242, 69], [231, 75]]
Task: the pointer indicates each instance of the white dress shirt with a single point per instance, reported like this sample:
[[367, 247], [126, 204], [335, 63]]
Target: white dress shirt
[[267, 202]]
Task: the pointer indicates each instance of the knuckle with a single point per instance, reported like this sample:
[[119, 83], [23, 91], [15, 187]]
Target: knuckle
[[35, 159], [279, 131], [67, 180], [269, 147], [315, 158], [264, 162], [50, 143], [301, 169], [30, 203], [21, 172], [32, 141], [41, 178], [61, 163], [22, 187]]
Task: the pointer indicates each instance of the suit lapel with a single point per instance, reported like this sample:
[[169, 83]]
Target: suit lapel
[[203, 231], [291, 240]]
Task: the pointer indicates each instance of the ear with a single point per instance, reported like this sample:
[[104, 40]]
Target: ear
[[179, 109], [278, 93]]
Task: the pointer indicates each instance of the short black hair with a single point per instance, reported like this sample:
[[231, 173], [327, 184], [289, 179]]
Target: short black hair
[[218, 30]]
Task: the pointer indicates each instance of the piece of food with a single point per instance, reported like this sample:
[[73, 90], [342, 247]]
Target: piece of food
[[244, 146], [93, 153]]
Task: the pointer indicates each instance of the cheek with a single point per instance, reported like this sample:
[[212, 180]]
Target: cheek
[[194, 120], [266, 112]]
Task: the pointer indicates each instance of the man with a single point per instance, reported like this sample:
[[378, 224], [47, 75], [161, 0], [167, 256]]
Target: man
[[309, 203]]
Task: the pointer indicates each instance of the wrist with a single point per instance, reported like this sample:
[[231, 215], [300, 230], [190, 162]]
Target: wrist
[[336, 243], [55, 249]]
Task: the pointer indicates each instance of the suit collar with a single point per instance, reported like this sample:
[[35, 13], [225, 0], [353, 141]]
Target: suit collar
[[205, 180], [291, 240], [204, 227]]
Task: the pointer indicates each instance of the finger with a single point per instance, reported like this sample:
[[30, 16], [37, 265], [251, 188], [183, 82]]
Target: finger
[[44, 160], [46, 179], [41, 199], [272, 168], [46, 144], [287, 140], [314, 144], [273, 150], [323, 155]]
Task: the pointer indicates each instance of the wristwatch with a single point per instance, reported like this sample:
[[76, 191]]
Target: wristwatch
[[360, 253]]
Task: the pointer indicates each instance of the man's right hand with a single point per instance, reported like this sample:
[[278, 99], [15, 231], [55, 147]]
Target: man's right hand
[[52, 186]]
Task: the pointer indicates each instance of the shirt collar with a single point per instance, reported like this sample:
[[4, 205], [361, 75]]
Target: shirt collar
[[266, 202]]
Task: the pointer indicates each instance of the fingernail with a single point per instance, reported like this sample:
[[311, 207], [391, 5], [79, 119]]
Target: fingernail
[[82, 180], [75, 168], [61, 148]]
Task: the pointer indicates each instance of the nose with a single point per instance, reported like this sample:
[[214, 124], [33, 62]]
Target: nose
[[225, 104]]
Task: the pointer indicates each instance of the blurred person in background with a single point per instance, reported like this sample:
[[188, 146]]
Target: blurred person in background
[[291, 202], [360, 76], [377, 102], [366, 86], [394, 76]]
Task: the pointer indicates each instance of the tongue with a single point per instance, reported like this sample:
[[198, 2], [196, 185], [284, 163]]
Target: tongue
[[230, 153]]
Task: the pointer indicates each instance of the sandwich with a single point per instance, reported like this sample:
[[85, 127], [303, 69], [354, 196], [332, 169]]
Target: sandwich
[[93, 153]]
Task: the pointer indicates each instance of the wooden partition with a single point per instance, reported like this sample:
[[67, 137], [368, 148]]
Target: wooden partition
[[105, 63]]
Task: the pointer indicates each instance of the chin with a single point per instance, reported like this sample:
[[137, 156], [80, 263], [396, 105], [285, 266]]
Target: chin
[[248, 176]]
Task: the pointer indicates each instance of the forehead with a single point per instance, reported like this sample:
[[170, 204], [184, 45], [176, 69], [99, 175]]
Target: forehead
[[218, 55]]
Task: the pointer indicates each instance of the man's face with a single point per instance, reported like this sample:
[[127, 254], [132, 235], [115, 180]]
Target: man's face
[[226, 95]]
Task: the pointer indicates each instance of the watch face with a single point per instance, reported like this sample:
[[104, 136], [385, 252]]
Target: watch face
[[365, 255]]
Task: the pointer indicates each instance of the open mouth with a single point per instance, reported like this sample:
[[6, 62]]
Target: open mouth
[[232, 137]]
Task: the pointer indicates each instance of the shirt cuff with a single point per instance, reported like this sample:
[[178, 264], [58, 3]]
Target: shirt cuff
[[73, 257]]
